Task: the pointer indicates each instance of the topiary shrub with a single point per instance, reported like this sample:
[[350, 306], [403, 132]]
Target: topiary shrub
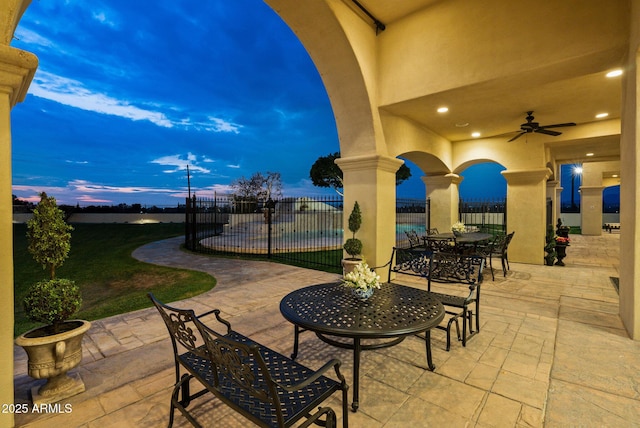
[[353, 246], [52, 302]]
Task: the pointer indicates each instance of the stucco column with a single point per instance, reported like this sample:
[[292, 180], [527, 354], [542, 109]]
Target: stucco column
[[16, 71], [553, 192], [591, 209], [526, 214], [371, 180], [443, 191]]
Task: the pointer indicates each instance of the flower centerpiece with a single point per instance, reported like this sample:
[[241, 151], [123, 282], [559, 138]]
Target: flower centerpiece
[[458, 228], [362, 280]]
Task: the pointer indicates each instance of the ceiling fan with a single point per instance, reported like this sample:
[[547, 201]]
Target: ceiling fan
[[531, 126]]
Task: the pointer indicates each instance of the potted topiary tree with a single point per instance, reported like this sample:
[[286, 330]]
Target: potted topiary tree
[[550, 246], [353, 246], [55, 348]]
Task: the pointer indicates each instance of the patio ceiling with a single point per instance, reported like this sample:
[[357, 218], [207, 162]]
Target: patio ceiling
[[559, 94]]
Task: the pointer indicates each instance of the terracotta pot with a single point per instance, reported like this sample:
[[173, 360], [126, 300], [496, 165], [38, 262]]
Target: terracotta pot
[[51, 357]]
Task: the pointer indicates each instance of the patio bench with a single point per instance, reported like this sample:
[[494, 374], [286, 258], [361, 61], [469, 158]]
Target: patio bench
[[264, 386], [451, 272]]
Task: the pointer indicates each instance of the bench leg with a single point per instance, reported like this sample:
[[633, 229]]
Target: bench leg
[[329, 421], [182, 387]]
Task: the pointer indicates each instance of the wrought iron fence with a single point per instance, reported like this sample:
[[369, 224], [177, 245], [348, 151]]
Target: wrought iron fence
[[488, 215], [302, 231], [412, 215]]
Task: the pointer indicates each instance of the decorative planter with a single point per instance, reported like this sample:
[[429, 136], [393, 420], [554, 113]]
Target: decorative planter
[[51, 357], [362, 294], [561, 250], [349, 264]]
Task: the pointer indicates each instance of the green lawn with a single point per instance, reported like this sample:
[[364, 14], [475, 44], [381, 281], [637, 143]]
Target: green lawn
[[112, 282]]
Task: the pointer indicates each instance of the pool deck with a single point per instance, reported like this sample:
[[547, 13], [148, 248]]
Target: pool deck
[[551, 352]]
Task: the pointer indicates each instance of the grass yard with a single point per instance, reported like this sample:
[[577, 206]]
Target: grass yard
[[112, 282]]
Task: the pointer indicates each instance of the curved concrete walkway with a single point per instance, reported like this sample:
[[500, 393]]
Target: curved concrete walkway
[[551, 352]]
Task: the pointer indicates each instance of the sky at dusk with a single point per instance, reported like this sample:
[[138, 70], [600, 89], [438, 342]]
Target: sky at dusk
[[127, 95]]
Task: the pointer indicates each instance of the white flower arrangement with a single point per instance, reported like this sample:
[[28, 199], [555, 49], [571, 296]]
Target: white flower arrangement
[[361, 277], [459, 227]]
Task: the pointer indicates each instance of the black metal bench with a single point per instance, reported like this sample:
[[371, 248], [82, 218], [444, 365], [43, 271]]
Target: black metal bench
[[451, 269], [266, 387]]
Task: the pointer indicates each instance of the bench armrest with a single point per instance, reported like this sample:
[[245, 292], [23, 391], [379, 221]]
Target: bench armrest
[[216, 312], [335, 363]]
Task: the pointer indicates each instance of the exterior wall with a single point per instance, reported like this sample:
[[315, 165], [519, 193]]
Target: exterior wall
[[630, 185], [113, 218]]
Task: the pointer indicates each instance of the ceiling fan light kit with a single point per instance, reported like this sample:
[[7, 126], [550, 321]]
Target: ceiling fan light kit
[[531, 126]]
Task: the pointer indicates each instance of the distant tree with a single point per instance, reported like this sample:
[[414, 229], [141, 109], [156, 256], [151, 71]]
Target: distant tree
[[325, 173], [258, 188]]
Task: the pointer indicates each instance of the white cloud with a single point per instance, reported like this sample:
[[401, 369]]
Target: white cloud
[[220, 125], [102, 18], [180, 164], [74, 93], [29, 37], [233, 166]]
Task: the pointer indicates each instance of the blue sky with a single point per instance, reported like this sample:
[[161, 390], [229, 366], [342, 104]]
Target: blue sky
[[128, 93]]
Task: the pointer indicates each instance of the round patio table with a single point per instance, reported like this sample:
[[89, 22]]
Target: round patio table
[[393, 312]]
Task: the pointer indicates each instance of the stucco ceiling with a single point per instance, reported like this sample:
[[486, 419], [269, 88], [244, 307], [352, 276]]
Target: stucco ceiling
[[498, 108]]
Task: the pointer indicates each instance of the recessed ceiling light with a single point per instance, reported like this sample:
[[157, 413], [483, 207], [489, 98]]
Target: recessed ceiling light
[[462, 124], [615, 175], [475, 134], [589, 154], [443, 109], [601, 115], [615, 73]]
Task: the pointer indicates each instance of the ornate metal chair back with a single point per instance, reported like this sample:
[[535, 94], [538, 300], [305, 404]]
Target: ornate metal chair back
[[448, 267], [444, 245], [182, 328], [241, 370]]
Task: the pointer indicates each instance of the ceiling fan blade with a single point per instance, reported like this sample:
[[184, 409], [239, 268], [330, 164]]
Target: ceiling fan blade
[[517, 136], [559, 125], [546, 131]]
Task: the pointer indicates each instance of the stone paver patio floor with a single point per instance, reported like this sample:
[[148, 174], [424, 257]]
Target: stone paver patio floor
[[551, 352]]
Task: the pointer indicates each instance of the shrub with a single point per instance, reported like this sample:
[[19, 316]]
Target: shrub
[[52, 301]]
